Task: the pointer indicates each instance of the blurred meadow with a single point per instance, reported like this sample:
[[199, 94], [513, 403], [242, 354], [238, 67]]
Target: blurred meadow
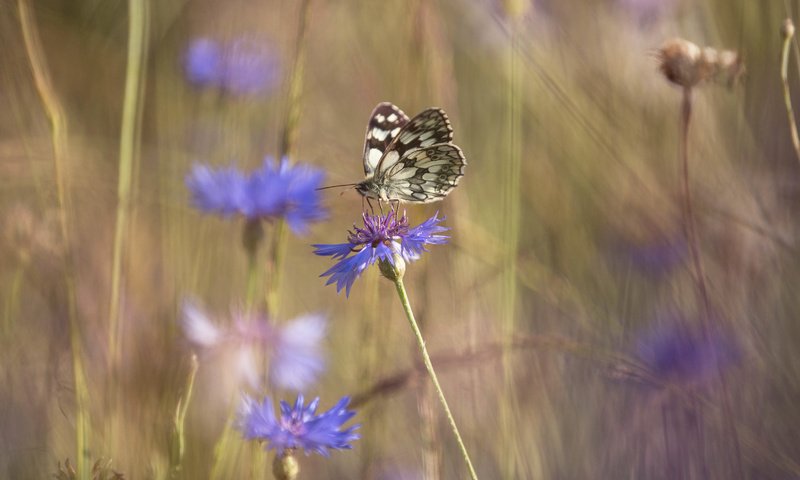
[[564, 316]]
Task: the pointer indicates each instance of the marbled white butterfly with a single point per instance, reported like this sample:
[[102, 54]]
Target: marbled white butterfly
[[410, 160]]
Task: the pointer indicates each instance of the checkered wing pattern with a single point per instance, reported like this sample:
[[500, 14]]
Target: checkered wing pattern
[[385, 123], [418, 163]]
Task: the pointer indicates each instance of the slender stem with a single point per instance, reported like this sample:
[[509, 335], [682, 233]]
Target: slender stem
[[279, 241], [58, 123], [690, 230], [131, 119], [511, 219], [401, 292], [288, 150], [178, 432], [788, 33]]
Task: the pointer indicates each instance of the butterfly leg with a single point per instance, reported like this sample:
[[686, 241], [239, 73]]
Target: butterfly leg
[[369, 202]]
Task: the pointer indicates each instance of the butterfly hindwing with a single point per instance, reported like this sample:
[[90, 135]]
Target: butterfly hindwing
[[426, 174], [385, 123]]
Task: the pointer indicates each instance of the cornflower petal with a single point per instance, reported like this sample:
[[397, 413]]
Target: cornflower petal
[[274, 191], [381, 238], [298, 426]]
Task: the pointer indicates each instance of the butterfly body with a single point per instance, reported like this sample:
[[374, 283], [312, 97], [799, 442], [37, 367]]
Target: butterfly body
[[410, 160]]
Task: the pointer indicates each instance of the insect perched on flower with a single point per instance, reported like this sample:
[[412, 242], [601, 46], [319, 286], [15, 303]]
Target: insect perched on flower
[[410, 160]]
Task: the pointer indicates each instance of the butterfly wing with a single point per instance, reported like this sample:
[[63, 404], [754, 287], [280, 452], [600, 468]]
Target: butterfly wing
[[385, 123], [431, 127], [426, 174]]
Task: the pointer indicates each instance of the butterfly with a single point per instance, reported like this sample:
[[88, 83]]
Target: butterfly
[[409, 160]]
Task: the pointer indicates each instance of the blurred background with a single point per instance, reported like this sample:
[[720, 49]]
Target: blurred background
[[563, 315]]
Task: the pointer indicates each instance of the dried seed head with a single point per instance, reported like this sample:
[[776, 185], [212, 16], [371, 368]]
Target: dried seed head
[[686, 64], [679, 62], [787, 30]]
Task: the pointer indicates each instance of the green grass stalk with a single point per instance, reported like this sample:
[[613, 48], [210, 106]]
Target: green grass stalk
[[511, 219], [60, 140], [288, 149], [401, 292], [131, 122]]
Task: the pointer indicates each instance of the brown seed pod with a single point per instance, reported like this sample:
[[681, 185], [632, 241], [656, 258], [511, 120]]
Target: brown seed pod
[[679, 62]]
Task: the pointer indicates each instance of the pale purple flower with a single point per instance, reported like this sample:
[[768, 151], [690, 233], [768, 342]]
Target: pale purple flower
[[293, 349], [243, 66]]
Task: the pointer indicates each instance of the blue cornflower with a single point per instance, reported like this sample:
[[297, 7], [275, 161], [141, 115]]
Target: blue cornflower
[[382, 237], [298, 426], [273, 191], [674, 352], [241, 67], [203, 62]]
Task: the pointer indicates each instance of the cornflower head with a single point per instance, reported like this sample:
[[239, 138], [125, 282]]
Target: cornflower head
[[677, 353], [273, 191], [293, 350], [244, 66], [386, 239], [298, 426]]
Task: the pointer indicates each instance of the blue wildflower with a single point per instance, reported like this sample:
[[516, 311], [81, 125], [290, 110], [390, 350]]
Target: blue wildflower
[[241, 67], [273, 191], [674, 352], [298, 426], [382, 237]]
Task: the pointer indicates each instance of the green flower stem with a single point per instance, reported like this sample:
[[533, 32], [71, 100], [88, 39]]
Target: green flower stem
[[280, 239], [178, 442], [131, 122], [60, 140], [401, 292]]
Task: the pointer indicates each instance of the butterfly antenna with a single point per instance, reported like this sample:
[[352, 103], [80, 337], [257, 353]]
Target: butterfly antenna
[[338, 186]]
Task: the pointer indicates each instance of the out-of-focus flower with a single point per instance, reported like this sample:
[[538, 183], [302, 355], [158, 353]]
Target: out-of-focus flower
[[293, 350], [298, 427], [276, 190], [645, 10], [297, 362], [243, 66], [673, 352], [203, 62], [686, 64], [381, 238], [656, 256]]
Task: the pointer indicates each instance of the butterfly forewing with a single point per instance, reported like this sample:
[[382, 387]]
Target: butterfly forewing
[[385, 124]]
